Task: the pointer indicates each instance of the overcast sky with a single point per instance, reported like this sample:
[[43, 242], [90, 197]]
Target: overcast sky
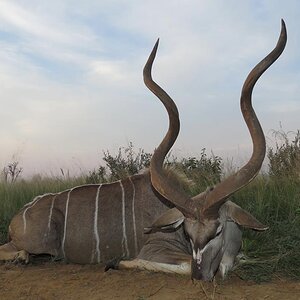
[[71, 76]]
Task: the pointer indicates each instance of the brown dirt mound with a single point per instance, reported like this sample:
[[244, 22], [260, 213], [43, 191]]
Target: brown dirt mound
[[62, 281]]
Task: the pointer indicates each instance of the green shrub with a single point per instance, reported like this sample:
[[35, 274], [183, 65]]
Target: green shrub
[[203, 171], [127, 162], [284, 160]]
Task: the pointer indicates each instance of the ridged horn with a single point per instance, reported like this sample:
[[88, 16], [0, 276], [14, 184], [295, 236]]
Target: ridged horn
[[248, 172], [159, 180]]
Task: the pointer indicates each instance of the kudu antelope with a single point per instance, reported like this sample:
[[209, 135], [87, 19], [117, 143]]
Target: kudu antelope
[[106, 222]]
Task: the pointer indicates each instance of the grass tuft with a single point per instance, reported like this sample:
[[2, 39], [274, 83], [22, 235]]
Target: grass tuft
[[276, 203]]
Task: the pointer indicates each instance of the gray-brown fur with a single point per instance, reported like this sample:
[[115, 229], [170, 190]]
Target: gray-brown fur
[[71, 232]]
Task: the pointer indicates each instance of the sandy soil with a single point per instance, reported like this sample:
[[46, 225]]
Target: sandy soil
[[49, 280]]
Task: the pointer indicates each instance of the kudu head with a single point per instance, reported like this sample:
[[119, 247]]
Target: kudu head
[[206, 215]]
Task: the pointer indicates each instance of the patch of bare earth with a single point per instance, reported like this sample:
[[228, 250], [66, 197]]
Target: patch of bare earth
[[66, 281]]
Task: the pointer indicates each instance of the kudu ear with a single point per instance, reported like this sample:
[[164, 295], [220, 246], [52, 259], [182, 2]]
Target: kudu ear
[[242, 217], [171, 219]]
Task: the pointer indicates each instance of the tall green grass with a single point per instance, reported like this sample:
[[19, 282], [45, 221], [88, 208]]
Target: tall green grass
[[276, 203]]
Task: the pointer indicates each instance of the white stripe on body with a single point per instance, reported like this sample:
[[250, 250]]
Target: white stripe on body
[[133, 217], [65, 224], [96, 232], [50, 214], [30, 205], [124, 240]]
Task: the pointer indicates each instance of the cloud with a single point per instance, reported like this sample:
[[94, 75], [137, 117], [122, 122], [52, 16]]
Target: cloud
[[286, 107], [71, 75]]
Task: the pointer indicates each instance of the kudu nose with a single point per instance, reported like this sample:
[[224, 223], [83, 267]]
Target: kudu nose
[[198, 274]]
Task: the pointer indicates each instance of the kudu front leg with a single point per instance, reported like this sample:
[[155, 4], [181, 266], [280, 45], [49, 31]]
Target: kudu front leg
[[165, 261], [8, 252], [184, 268]]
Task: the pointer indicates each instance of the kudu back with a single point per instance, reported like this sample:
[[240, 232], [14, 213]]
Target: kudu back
[[146, 216]]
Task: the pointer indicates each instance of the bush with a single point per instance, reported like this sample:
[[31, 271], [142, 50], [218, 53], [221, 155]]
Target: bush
[[284, 160], [11, 172], [127, 162], [203, 171]]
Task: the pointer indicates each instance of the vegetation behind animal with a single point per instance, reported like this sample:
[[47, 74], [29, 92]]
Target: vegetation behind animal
[[273, 197]]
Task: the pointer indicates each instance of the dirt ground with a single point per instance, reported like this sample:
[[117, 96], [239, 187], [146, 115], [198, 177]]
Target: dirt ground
[[52, 280]]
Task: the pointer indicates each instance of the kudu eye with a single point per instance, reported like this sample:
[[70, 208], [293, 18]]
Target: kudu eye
[[219, 230]]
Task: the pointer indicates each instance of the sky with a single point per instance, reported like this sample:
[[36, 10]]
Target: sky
[[71, 77]]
